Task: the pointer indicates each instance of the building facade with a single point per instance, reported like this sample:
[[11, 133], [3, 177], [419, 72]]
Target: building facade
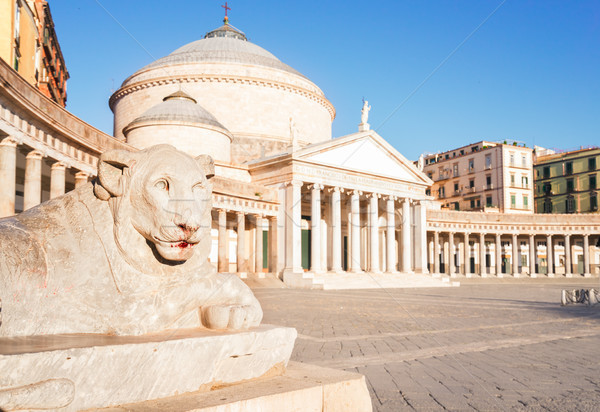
[[288, 198], [567, 182], [28, 43], [483, 176]]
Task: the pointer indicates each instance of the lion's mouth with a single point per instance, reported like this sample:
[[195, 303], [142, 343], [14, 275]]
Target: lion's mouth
[[181, 244]]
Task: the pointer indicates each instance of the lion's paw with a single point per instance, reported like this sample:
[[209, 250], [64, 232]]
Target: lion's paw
[[233, 317]]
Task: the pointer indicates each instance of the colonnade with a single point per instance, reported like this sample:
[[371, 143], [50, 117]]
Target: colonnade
[[243, 265], [32, 192], [514, 254], [339, 215]]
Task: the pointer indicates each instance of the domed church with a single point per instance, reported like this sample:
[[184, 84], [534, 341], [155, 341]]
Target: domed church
[[288, 199], [241, 89]]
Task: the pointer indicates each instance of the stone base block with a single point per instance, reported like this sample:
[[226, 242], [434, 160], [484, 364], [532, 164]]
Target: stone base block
[[74, 372], [302, 387], [567, 275]]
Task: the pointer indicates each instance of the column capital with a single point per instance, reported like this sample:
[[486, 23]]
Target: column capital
[[335, 189], [372, 195], [355, 192], [315, 186], [9, 141], [35, 154], [221, 210], [407, 200], [294, 182], [271, 218], [390, 197], [259, 215], [82, 174], [58, 165], [240, 213]]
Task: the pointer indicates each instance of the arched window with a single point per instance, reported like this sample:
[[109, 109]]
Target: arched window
[[547, 205], [570, 204]]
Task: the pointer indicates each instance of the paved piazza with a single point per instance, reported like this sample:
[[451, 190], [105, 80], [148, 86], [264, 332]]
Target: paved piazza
[[505, 344]]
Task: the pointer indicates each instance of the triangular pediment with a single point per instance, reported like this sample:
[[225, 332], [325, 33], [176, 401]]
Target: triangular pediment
[[364, 152]]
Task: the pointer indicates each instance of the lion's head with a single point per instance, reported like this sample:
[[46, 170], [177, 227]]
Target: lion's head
[[160, 199]]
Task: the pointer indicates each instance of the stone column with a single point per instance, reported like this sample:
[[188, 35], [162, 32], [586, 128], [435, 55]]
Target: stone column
[[420, 237], [586, 256], [452, 258], [467, 257], [293, 227], [436, 252], [81, 178], [515, 255], [532, 256], [241, 244], [222, 262], [406, 241], [33, 180], [272, 241], [336, 230], [374, 232], [431, 253], [315, 228], [390, 235], [8, 175], [57, 180], [499, 256], [549, 251], [355, 211], [568, 267], [258, 245], [482, 268]]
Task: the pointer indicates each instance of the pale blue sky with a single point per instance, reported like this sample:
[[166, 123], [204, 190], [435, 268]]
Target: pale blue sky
[[531, 72]]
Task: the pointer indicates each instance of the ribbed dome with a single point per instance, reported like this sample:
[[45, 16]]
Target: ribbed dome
[[223, 45], [178, 106]]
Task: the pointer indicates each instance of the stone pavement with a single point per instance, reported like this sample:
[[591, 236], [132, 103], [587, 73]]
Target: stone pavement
[[504, 345]]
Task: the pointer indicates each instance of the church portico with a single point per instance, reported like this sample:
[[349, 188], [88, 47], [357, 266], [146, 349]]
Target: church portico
[[339, 217]]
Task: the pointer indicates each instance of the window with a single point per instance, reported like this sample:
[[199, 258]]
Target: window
[[570, 186], [488, 201], [569, 168], [442, 192], [488, 161], [512, 180], [592, 163], [471, 165], [547, 205], [593, 182], [471, 183], [570, 204], [548, 188], [513, 201], [524, 161], [456, 187], [488, 181], [472, 203], [430, 175], [428, 192], [512, 159], [456, 206], [524, 181], [594, 201], [455, 169], [525, 202], [546, 172]]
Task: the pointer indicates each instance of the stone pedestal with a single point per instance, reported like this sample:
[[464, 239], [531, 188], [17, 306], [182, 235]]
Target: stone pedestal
[[301, 388], [75, 372]]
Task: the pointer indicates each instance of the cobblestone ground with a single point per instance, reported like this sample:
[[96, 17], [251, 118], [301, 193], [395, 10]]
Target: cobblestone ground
[[504, 345]]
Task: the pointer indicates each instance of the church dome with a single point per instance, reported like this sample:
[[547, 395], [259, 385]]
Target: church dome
[[240, 88], [180, 121], [226, 45], [178, 106]]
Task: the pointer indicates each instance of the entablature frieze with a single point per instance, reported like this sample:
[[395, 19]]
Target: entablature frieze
[[246, 206]]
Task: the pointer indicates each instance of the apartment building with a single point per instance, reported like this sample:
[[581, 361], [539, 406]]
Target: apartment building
[[28, 43], [483, 176], [567, 182]]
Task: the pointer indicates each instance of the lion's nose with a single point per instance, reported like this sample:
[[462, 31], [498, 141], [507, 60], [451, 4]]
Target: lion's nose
[[187, 228]]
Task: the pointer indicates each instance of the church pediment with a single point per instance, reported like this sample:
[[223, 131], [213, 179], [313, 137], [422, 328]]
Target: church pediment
[[364, 152]]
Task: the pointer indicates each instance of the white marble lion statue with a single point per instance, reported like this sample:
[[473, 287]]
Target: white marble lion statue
[[126, 254]]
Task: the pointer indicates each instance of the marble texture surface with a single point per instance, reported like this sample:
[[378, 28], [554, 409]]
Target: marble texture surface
[[74, 372]]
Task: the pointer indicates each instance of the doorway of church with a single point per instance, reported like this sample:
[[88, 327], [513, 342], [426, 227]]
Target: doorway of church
[[306, 249]]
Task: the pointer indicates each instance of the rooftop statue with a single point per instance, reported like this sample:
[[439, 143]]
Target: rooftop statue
[[126, 254], [364, 113]]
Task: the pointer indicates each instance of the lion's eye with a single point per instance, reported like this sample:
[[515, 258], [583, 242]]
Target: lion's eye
[[199, 185], [162, 185]]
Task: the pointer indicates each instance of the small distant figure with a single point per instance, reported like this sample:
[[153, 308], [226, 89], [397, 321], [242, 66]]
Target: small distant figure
[[421, 162], [364, 116]]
